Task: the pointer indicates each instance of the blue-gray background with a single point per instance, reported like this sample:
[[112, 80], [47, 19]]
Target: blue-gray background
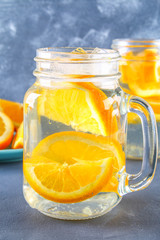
[[26, 25]]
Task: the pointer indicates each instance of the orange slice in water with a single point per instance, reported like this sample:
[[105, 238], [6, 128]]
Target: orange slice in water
[[14, 110], [69, 167], [6, 130], [141, 72], [82, 106]]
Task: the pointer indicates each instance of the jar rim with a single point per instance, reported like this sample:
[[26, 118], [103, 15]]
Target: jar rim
[[135, 43], [70, 54]]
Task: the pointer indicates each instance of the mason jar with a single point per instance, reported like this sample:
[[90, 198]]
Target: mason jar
[[75, 133], [140, 76]]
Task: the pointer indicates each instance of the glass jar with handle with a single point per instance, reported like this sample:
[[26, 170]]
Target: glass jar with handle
[[75, 133]]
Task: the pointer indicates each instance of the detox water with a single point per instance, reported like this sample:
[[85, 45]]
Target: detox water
[[39, 127]]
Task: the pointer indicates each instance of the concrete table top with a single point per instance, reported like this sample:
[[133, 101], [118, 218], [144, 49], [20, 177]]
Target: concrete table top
[[136, 217]]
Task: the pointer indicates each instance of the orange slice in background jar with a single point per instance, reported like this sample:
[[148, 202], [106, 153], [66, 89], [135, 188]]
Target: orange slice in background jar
[[125, 67], [69, 167], [80, 105], [141, 72], [155, 104]]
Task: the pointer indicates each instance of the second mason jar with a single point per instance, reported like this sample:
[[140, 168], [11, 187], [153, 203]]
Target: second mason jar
[[140, 76], [75, 134]]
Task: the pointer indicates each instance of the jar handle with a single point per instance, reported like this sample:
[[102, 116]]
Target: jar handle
[[142, 179]]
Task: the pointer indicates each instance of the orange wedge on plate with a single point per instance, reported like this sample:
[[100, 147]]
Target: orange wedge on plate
[[6, 130], [69, 167], [82, 106], [13, 110], [18, 138]]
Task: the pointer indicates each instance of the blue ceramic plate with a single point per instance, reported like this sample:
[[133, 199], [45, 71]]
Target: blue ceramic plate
[[11, 155]]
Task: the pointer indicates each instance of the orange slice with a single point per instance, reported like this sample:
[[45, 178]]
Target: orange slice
[[141, 72], [80, 105], [155, 104], [18, 138], [69, 167], [119, 163], [14, 110], [6, 130]]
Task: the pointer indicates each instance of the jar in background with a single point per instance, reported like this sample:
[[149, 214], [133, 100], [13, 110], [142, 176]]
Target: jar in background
[[140, 76]]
